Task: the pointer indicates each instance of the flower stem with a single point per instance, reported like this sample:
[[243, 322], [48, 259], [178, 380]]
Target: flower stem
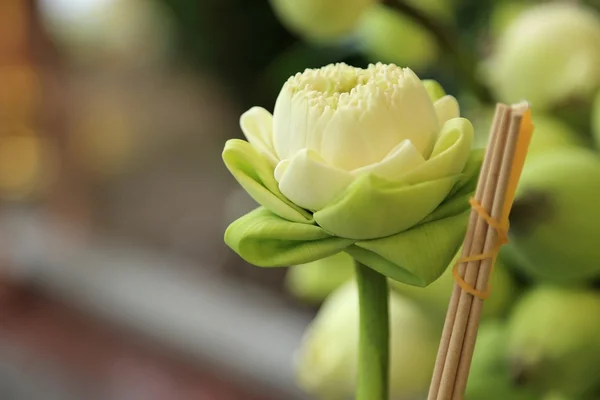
[[373, 350]]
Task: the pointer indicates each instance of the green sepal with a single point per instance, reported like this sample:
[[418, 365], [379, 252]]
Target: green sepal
[[255, 174], [374, 207], [417, 256], [458, 198], [267, 240], [421, 254]]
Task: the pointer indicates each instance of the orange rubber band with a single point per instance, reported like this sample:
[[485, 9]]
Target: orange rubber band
[[501, 239], [501, 227]]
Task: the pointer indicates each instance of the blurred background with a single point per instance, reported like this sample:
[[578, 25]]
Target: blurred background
[[114, 278]]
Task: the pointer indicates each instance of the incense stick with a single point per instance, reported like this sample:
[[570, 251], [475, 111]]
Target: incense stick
[[472, 268], [486, 266], [501, 111], [462, 320]]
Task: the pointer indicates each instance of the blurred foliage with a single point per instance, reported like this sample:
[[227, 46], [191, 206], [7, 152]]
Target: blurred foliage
[[244, 44]]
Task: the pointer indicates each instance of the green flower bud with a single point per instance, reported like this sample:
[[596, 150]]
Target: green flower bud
[[554, 217], [327, 360], [320, 19], [553, 339], [548, 55], [491, 377]]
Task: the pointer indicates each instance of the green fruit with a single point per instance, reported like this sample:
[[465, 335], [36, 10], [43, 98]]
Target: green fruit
[[391, 37], [314, 281], [435, 297], [326, 363], [554, 220], [554, 339], [491, 377]]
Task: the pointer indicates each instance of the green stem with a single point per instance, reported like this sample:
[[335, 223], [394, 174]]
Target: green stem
[[373, 350]]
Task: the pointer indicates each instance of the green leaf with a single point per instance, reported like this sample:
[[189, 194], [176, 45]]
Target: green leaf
[[266, 240], [417, 256], [373, 207], [255, 174]]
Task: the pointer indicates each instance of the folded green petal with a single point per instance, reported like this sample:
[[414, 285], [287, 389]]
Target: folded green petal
[[255, 174], [450, 153], [373, 207], [458, 198], [266, 240], [470, 174], [417, 256]]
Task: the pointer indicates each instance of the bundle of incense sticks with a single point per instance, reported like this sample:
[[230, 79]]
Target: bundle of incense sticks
[[500, 172]]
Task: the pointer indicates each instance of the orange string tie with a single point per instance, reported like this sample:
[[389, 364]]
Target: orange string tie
[[501, 239], [500, 226]]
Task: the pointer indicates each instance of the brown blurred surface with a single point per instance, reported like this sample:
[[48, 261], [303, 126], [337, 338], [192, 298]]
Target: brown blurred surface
[[102, 358], [131, 152]]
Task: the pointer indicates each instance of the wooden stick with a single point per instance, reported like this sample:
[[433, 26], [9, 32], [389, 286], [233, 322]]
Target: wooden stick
[[485, 268], [472, 269], [501, 111]]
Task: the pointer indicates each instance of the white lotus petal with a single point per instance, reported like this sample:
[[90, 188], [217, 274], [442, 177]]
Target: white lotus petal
[[280, 169], [446, 109], [353, 117], [257, 125], [402, 159], [364, 131], [309, 182]]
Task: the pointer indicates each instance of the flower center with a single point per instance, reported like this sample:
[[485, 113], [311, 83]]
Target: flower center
[[340, 85]]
